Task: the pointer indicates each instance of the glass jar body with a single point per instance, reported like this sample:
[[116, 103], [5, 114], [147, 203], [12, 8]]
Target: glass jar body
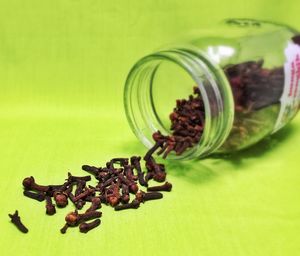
[[248, 73]]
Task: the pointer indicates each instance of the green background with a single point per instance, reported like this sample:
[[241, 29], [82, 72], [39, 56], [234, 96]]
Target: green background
[[62, 69]]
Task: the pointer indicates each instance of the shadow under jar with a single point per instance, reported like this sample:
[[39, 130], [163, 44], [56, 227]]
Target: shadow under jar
[[248, 74]]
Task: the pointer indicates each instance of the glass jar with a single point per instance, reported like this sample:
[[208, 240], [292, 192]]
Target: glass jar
[[248, 73]]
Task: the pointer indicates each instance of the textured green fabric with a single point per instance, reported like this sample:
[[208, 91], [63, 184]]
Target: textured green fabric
[[62, 69]]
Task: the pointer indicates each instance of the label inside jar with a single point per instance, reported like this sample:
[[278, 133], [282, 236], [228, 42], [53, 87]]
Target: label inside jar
[[290, 99]]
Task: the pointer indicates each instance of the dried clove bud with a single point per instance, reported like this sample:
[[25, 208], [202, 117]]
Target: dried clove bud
[[29, 184], [72, 178], [50, 208], [86, 227], [36, 196], [63, 230], [61, 199], [133, 205], [15, 219], [165, 187], [73, 218], [135, 161], [84, 194], [142, 197], [91, 169], [96, 204]]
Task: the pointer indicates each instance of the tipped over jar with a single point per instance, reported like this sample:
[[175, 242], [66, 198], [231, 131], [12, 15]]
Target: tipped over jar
[[246, 74]]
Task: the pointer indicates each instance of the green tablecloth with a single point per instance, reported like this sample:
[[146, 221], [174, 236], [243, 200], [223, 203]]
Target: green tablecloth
[[62, 69]]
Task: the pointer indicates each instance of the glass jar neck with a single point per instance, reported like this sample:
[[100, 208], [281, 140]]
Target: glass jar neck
[[215, 92]]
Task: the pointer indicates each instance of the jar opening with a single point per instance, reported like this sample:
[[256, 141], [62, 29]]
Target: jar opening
[[157, 81]]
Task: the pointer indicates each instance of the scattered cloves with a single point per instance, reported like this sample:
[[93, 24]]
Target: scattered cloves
[[117, 181]]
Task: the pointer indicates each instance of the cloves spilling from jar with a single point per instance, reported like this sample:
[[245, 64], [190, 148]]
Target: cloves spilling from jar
[[256, 92], [119, 182]]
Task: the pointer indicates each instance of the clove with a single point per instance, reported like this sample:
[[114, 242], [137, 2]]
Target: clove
[[135, 161], [72, 178], [50, 208], [86, 227], [16, 220], [83, 194], [29, 184], [133, 205], [91, 169], [63, 230], [36, 196], [165, 187], [61, 199], [73, 218], [142, 196], [96, 204]]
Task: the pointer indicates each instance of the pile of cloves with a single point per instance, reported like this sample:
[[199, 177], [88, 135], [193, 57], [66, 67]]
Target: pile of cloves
[[117, 183]]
